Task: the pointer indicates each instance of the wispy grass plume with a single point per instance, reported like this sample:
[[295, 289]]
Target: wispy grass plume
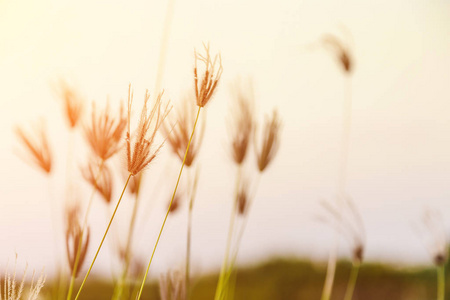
[[37, 148]]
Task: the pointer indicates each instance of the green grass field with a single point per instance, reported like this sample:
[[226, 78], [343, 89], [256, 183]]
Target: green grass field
[[284, 279]]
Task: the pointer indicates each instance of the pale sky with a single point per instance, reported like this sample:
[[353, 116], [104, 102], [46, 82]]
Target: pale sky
[[399, 159]]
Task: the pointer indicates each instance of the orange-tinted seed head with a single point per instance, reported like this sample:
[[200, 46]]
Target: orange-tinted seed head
[[270, 142], [207, 83], [73, 235], [178, 135], [242, 123], [140, 147], [38, 148], [100, 178], [104, 133], [73, 103]]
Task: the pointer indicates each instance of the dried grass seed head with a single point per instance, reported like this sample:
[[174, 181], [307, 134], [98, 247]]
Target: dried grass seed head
[[37, 147], [340, 50], [100, 177], [270, 142], [104, 133], [140, 147], [242, 123], [179, 134], [11, 290], [73, 103], [243, 198], [344, 216], [73, 236], [176, 203], [207, 83], [434, 235]]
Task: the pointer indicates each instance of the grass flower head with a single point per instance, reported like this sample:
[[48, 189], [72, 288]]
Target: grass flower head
[[140, 147], [178, 135], [73, 236], [270, 142], [102, 182], [104, 133], [242, 124], [206, 84], [340, 50], [38, 148], [348, 221], [73, 104]]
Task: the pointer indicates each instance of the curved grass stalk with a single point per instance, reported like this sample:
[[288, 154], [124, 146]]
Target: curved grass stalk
[[352, 282], [441, 282], [104, 236], [170, 205]]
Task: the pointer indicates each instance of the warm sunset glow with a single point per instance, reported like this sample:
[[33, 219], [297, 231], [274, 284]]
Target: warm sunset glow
[[302, 59]]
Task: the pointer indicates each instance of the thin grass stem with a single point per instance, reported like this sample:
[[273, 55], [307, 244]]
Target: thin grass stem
[[352, 282], [342, 181], [120, 287], [224, 272], [170, 205], [164, 45], [188, 251], [104, 236], [80, 243], [441, 282], [62, 285], [238, 241]]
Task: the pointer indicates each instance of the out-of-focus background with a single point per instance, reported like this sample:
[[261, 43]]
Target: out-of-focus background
[[399, 157]]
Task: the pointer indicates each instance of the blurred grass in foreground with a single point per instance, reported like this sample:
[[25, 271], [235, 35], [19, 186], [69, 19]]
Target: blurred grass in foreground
[[289, 279]]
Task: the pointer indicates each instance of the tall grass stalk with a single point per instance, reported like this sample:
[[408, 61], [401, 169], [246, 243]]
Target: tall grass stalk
[[230, 276], [441, 282], [188, 250], [86, 216], [57, 291], [352, 282], [342, 181], [159, 75], [104, 236], [164, 42], [62, 284], [119, 289], [225, 270], [189, 232], [170, 204]]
